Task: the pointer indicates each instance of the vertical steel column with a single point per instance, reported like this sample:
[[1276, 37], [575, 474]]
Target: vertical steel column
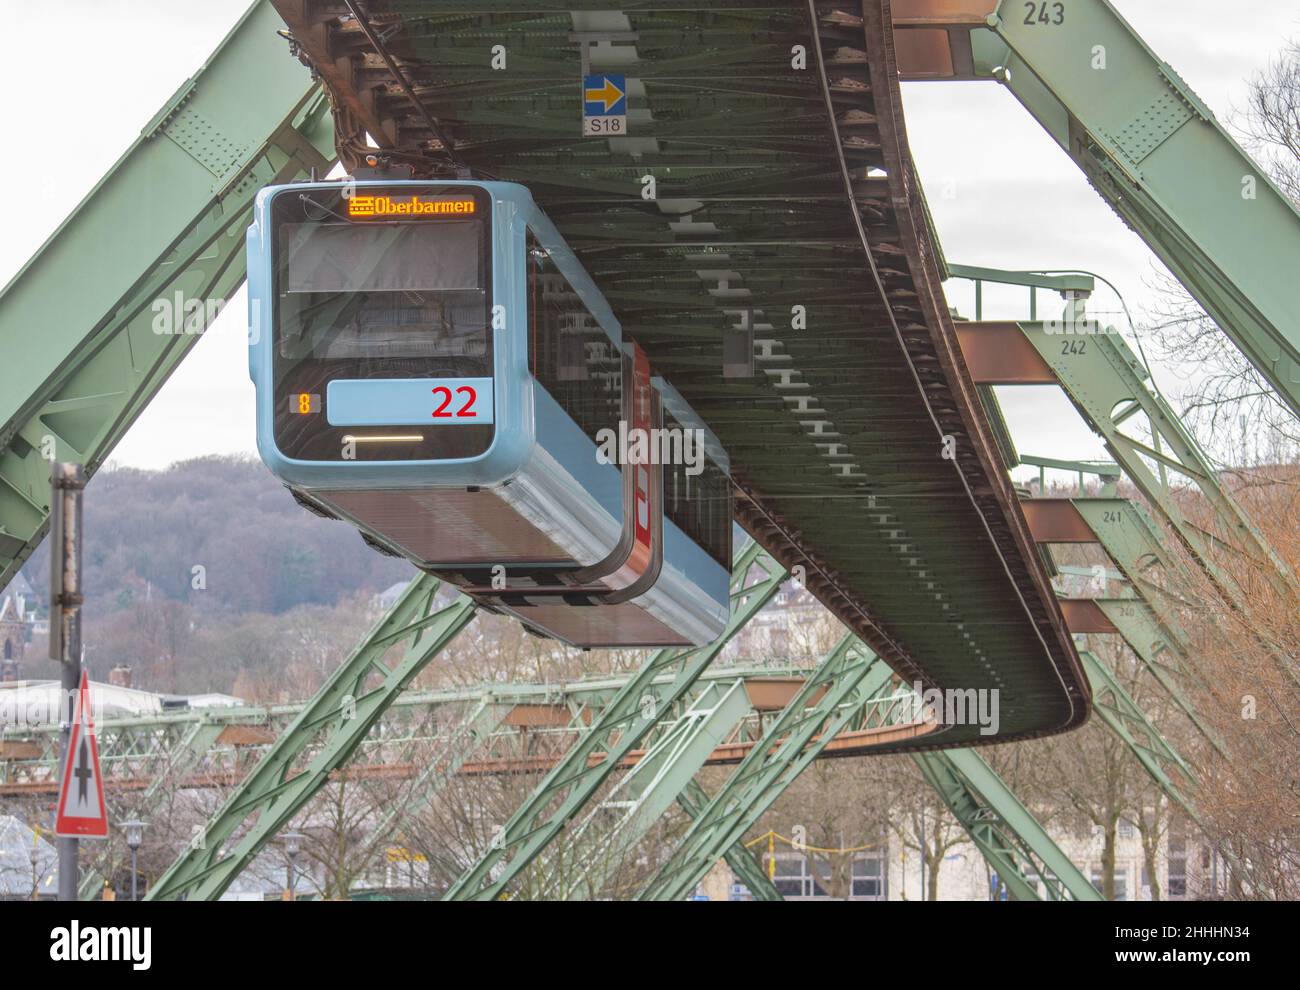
[[67, 482]]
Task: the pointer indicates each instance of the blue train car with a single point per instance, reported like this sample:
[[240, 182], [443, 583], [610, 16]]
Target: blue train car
[[435, 367]]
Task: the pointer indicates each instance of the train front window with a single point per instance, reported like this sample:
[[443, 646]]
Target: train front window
[[390, 283], [400, 290]]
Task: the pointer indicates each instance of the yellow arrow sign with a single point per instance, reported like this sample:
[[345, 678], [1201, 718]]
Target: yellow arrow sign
[[609, 94]]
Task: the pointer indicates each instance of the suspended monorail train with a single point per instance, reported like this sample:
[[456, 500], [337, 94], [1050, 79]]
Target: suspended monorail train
[[435, 367]]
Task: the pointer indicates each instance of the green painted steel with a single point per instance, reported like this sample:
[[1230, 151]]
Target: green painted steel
[[849, 677], [621, 725], [1134, 542], [341, 714], [743, 192], [167, 219], [1155, 152], [1162, 651], [1033, 281], [1126, 719], [1009, 837], [1111, 389], [693, 799], [1013, 843], [616, 823], [145, 751], [170, 765]]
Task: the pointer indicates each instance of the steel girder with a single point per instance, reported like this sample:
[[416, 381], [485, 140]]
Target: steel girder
[[1015, 846], [1133, 541], [1009, 837], [643, 794], [849, 677], [174, 763], [1162, 653], [790, 179], [621, 725], [693, 799], [80, 326], [1126, 719], [450, 755], [1110, 386], [1132, 124], [342, 712], [1148, 622], [139, 752]]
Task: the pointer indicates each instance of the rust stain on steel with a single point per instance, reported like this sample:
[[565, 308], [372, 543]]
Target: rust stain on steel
[[1085, 616], [1000, 354]]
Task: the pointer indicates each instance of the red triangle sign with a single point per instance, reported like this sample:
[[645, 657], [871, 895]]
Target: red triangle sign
[[82, 812]]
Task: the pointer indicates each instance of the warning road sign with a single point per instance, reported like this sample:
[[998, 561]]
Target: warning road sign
[[81, 809], [604, 105]]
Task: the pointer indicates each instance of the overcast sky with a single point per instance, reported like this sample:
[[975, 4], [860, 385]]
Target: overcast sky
[[91, 73]]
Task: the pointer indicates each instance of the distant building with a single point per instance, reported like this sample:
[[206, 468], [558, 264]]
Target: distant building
[[1184, 868], [16, 620]]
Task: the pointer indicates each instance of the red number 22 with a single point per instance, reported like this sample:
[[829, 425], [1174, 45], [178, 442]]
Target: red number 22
[[441, 411]]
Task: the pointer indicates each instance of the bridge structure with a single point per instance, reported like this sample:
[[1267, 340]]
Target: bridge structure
[[761, 232]]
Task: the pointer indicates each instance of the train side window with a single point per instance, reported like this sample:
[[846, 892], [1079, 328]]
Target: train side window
[[570, 354], [573, 358]]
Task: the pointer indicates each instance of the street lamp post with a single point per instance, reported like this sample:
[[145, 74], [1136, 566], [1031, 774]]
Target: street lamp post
[[34, 854], [292, 846], [134, 830]]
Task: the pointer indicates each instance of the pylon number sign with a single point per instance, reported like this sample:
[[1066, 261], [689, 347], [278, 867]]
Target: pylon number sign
[[81, 809]]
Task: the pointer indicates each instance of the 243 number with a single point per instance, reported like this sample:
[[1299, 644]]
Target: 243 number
[[1044, 13]]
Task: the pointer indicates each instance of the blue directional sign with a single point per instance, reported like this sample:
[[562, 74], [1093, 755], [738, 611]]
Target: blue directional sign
[[604, 96], [604, 105]]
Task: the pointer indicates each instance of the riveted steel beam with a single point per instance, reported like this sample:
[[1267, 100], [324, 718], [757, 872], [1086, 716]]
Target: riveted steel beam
[[618, 729], [1132, 124], [342, 713], [153, 251]]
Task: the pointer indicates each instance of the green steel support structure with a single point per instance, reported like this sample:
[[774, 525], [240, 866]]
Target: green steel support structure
[[1110, 387], [693, 800], [1113, 390], [453, 750], [253, 116], [175, 763], [1160, 652], [1126, 719], [163, 229], [1131, 123], [644, 793], [622, 724], [849, 677], [343, 712], [1015, 846]]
